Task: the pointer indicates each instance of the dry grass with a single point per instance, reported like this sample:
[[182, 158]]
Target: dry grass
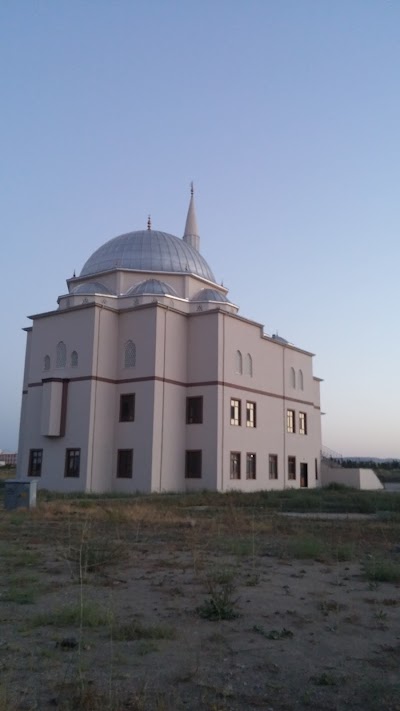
[[219, 553]]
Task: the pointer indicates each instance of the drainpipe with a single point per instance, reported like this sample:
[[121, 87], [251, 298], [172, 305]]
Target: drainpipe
[[95, 400], [163, 399], [284, 416], [223, 403]]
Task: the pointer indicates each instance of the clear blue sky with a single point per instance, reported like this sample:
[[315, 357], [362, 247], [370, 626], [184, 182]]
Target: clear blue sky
[[285, 113]]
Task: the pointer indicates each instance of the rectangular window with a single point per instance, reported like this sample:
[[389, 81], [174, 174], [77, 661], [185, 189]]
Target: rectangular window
[[303, 423], [250, 414], [125, 463], [235, 465], [316, 468], [193, 464], [194, 410], [127, 407], [35, 462], [291, 426], [250, 465], [236, 416], [72, 462], [291, 468], [273, 466]]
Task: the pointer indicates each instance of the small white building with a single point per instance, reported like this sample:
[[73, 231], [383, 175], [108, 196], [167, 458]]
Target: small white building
[[146, 378]]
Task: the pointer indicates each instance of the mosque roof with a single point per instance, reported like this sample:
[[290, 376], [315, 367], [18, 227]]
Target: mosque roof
[[209, 295], [91, 287], [150, 251], [153, 251], [151, 286]]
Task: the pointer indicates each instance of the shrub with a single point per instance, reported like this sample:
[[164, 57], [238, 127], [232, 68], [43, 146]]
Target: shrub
[[221, 603], [382, 570]]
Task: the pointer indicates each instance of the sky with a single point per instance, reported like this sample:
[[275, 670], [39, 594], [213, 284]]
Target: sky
[[284, 113]]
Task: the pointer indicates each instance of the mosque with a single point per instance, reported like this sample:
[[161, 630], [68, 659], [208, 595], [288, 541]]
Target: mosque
[[146, 378]]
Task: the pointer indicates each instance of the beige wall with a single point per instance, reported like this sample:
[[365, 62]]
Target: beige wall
[[364, 479], [177, 355]]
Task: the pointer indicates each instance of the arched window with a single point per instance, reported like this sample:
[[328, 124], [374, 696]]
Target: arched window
[[74, 359], [249, 365], [293, 377], [301, 380], [130, 354], [46, 362], [61, 355], [239, 363]]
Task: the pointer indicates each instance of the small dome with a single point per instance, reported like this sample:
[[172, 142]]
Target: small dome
[[209, 295], [148, 251], [92, 287], [153, 287], [279, 339]]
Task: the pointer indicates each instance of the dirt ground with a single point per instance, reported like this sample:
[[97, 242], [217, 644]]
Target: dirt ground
[[109, 606]]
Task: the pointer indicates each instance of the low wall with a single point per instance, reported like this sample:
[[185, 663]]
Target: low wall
[[364, 479]]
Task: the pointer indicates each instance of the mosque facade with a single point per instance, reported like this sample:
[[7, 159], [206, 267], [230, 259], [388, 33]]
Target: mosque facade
[[146, 378]]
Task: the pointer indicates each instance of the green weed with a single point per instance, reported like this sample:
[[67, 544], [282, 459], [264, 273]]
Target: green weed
[[90, 614], [382, 570], [21, 596], [273, 634], [136, 630], [325, 679], [221, 603]]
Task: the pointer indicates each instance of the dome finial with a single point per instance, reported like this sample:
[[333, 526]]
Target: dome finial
[[149, 222], [191, 234]]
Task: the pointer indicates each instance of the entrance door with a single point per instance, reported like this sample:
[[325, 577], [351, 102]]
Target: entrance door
[[303, 474]]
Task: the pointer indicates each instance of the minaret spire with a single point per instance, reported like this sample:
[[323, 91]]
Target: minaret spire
[[191, 234]]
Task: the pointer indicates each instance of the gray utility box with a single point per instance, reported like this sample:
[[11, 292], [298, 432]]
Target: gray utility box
[[19, 494]]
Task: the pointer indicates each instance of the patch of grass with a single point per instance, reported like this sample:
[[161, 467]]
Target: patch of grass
[[382, 570], [336, 499], [252, 580], [306, 548], [273, 634], [221, 603], [379, 695], [147, 646], [390, 602], [90, 550], [6, 703], [89, 615], [325, 679], [243, 547], [15, 558], [21, 596], [327, 606], [343, 552], [84, 696], [22, 589], [380, 615], [136, 630]]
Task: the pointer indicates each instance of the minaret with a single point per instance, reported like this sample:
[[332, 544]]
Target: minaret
[[191, 235]]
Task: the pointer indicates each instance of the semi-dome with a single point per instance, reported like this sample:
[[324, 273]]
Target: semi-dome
[[91, 287], [149, 251], [209, 295], [153, 287]]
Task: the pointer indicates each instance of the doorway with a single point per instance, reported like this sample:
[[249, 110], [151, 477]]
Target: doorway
[[303, 474]]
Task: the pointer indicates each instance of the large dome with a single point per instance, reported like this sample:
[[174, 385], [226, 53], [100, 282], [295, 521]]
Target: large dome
[[149, 251]]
